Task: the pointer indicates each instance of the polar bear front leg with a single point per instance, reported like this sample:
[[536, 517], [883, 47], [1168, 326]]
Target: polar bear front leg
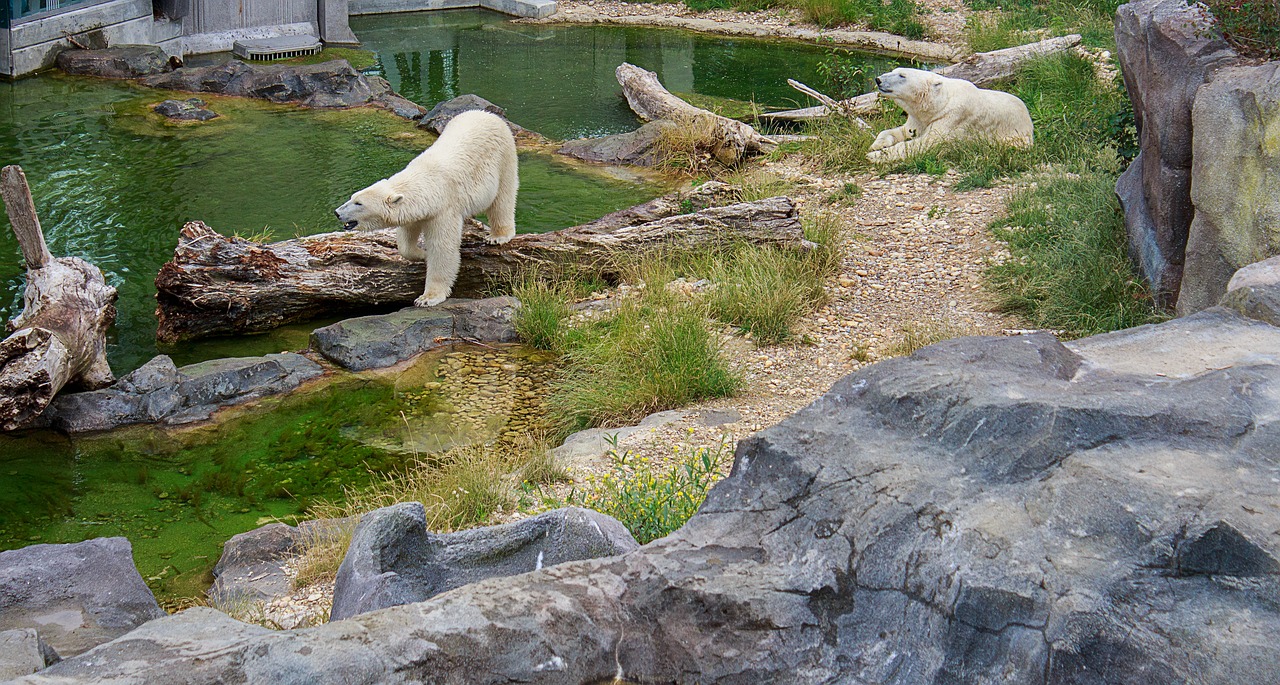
[[407, 242], [444, 251], [894, 136]]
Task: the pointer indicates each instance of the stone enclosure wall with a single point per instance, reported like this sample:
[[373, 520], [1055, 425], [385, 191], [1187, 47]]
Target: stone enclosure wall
[[1203, 197]]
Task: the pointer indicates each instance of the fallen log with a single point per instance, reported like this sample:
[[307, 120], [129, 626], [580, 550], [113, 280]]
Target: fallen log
[[59, 339], [982, 69], [652, 102], [217, 285]]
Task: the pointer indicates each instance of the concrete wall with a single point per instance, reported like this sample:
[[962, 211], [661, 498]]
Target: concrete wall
[[519, 8], [34, 43], [210, 16]]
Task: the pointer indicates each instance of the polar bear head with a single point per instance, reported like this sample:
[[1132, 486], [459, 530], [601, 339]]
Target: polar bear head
[[914, 90], [373, 208]]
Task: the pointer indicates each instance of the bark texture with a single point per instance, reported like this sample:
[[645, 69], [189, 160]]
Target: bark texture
[[60, 336]]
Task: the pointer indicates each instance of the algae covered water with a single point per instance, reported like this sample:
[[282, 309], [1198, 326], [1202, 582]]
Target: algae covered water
[[178, 495]]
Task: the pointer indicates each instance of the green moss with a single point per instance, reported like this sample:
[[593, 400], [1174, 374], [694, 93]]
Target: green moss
[[357, 58]]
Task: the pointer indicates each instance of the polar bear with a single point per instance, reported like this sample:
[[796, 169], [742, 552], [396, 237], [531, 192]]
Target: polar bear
[[471, 168], [941, 109]]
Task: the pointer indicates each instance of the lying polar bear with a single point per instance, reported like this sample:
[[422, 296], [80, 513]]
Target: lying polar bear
[[941, 109], [470, 169]]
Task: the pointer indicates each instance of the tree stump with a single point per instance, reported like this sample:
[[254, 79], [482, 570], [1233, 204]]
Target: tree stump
[[59, 339]]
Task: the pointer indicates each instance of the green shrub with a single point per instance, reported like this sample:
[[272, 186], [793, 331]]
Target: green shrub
[[542, 319], [653, 503]]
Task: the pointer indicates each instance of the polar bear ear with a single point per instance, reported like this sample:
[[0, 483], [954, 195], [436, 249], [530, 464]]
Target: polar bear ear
[[395, 199]]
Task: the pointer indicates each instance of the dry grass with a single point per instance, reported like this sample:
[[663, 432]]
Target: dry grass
[[919, 335], [461, 488], [693, 145]]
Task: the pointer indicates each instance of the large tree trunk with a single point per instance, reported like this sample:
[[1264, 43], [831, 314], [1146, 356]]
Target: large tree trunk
[[652, 102], [60, 336], [983, 69], [217, 285]]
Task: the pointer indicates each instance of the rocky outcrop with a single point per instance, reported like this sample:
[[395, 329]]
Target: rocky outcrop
[[637, 148], [371, 342], [1236, 181], [191, 109], [76, 596], [159, 392], [395, 560], [1166, 51], [22, 652], [326, 85], [444, 112], [123, 61], [988, 510]]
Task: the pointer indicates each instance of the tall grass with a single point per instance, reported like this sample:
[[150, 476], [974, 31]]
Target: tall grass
[[894, 16], [1068, 268], [1022, 21], [650, 354]]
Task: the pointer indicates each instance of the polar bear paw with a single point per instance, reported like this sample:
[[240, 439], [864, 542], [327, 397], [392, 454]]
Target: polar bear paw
[[884, 140], [498, 239], [430, 299]]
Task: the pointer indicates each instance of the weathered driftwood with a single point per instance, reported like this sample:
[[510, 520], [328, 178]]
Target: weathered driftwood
[[982, 68], [217, 285], [652, 102], [59, 339]]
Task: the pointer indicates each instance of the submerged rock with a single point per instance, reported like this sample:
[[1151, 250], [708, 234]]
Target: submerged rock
[[159, 392], [988, 510], [192, 109], [395, 560], [77, 596], [326, 85], [638, 148], [123, 61]]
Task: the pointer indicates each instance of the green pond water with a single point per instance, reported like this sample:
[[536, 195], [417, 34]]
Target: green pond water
[[113, 183], [178, 495], [559, 80]]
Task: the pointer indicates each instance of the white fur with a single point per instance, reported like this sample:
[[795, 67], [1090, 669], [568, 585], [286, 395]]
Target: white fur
[[471, 168], [941, 109]]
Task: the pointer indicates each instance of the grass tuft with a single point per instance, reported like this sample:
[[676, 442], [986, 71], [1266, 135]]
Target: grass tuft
[[1068, 270], [650, 354]]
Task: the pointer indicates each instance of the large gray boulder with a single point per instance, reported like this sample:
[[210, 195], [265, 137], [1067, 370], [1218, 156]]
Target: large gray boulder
[[121, 61], [395, 560], [1166, 50], [381, 340], [988, 510], [77, 596], [159, 392], [1236, 181]]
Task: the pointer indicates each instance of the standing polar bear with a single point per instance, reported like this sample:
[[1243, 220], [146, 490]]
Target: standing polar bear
[[940, 109], [471, 168]]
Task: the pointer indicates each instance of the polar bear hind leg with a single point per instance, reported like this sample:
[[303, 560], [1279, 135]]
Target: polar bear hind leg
[[502, 213], [443, 246]]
